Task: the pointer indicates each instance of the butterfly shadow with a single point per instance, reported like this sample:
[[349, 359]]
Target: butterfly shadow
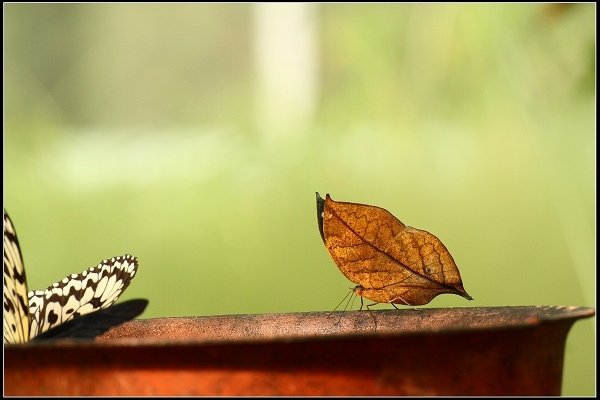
[[90, 326]]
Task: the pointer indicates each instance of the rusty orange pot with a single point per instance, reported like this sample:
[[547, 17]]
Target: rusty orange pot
[[455, 351]]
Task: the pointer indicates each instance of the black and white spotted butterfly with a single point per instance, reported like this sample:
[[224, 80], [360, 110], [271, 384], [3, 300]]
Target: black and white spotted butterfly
[[30, 315]]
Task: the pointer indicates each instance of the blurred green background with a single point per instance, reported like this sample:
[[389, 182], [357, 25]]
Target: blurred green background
[[195, 136]]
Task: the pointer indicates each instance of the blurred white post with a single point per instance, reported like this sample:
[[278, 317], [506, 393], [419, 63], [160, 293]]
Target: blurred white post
[[285, 36]]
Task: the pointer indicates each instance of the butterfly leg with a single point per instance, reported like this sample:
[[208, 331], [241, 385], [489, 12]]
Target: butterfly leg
[[370, 312], [403, 301]]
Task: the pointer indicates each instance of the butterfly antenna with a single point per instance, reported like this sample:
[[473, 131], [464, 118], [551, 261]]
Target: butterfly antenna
[[353, 298], [350, 301], [336, 307]]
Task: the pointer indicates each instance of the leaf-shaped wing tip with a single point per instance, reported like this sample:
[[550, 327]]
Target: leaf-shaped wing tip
[[320, 209], [462, 292]]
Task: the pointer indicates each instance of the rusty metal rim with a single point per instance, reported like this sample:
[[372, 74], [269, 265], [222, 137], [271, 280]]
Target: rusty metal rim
[[288, 327]]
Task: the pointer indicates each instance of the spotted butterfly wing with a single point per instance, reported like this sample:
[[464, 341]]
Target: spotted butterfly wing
[[16, 313], [77, 294], [27, 315]]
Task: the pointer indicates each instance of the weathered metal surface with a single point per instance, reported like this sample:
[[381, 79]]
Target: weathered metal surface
[[457, 351]]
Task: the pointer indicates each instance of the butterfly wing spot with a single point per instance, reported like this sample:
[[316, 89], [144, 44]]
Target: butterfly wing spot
[[113, 284], [90, 307], [52, 317], [101, 286], [87, 295], [8, 306]]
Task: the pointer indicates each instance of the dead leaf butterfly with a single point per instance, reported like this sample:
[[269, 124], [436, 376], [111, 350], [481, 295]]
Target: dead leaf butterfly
[[388, 261]]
